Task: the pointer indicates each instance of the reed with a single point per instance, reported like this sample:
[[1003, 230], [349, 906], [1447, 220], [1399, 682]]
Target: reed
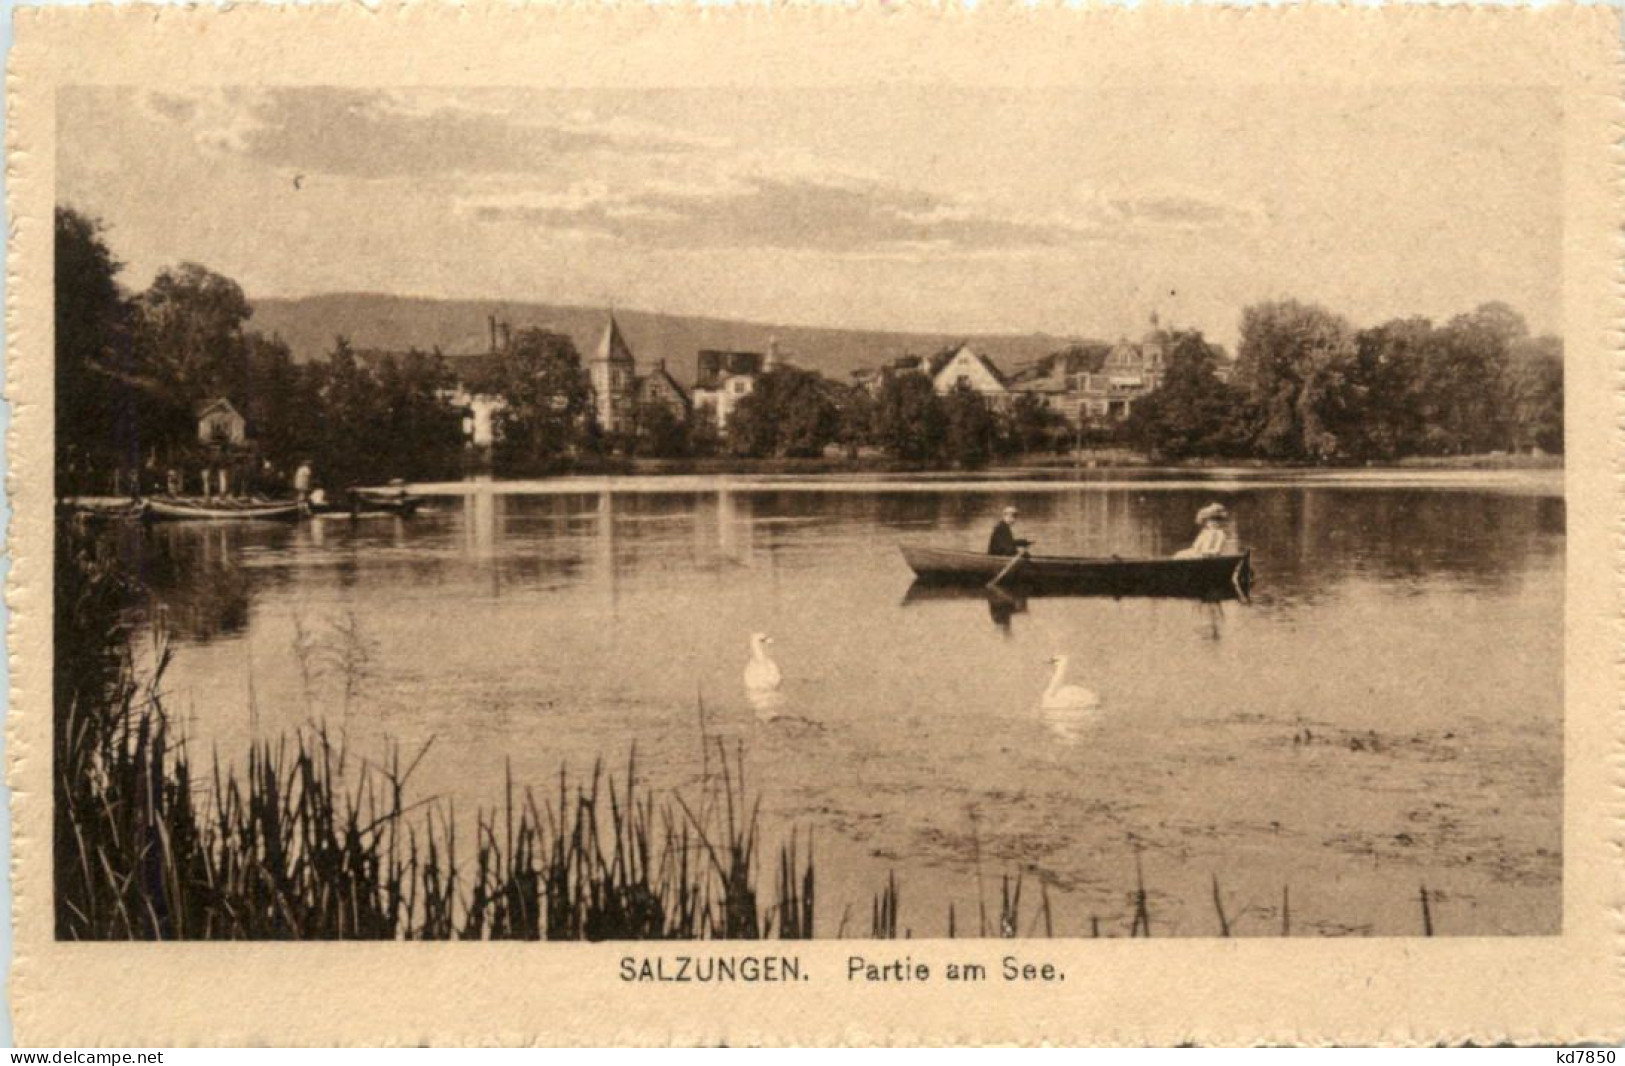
[[883, 911], [304, 841], [1218, 906], [1142, 911]]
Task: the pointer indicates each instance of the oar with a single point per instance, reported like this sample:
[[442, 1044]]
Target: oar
[[1011, 565]]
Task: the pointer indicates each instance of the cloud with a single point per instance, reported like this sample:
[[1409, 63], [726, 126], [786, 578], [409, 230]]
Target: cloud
[[793, 214], [382, 135], [509, 159], [792, 201], [1172, 206]]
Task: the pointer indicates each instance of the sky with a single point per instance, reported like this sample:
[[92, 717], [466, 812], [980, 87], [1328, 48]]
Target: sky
[[936, 209]]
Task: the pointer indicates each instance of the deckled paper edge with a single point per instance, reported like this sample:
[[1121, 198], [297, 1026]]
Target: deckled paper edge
[[28, 388]]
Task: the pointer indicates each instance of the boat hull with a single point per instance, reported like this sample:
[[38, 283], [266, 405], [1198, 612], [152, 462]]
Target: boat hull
[[1208, 576], [177, 509], [362, 506], [100, 508], [394, 500]]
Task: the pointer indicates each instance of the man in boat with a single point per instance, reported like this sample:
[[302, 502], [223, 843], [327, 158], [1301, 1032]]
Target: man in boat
[[1004, 540], [1211, 539], [301, 480]]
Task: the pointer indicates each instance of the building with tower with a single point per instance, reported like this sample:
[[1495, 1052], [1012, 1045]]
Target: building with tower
[[613, 374]]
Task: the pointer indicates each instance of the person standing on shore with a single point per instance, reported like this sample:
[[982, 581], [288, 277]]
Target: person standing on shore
[[1004, 540], [301, 480]]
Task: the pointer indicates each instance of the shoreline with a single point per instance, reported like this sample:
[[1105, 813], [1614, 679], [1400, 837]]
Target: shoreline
[[1540, 480], [1102, 460]]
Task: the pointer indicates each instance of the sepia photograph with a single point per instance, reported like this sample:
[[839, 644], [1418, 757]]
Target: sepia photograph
[[626, 508], [664, 515]]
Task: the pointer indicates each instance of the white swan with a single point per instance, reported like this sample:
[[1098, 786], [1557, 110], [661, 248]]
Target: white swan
[[1059, 697], [761, 673]]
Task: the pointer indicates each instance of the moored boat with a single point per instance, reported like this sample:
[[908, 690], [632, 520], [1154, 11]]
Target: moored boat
[[100, 508], [1214, 575], [393, 499], [216, 509], [362, 504]]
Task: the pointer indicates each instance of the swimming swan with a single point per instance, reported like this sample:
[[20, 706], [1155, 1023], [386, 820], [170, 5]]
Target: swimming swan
[[761, 673], [1059, 697]]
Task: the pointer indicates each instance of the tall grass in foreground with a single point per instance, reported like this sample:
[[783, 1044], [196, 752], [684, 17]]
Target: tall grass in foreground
[[306, 841]]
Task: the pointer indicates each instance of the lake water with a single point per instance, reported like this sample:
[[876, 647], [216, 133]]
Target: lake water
[[1385, 714]]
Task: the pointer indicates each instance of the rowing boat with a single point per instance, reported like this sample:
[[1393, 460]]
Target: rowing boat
[[361, 504], [393, 498], [1213, 575], [218, 509], [100, 508]]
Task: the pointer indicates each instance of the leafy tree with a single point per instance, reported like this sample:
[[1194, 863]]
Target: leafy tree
[[752, 429], [358, 424], [661, 432], [283, 406], [972, 429], [1466, 380], [1390, 370], [192, 322], [789, 413], [98, 405], [352, 418], [1536, 394], [1191, 413], [547, 398], [421, 434], [703, 436], [1295, 364], [1032, 425], [855, 409], [910, 420]]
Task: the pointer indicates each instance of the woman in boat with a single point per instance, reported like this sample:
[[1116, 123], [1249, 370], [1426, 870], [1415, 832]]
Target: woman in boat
[[1210, 541]]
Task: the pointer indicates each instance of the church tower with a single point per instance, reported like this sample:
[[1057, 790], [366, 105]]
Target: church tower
[[613, 373]]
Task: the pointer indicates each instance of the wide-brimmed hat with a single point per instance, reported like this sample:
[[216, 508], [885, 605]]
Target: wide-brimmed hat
[[1211, 512]]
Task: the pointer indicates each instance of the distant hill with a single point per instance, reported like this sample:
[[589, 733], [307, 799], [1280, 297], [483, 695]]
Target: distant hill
[[458, 327]]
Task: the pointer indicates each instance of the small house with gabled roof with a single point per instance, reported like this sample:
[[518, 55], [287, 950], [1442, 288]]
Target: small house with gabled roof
[[969, 367], [658, 388], [218, 422]]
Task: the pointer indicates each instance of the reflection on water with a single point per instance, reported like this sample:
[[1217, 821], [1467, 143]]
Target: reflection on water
[[1072, 725], [571, 624]]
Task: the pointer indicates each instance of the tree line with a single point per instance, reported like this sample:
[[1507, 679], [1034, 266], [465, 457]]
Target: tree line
[[1308, 386], [132, 370], [798, 413]]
